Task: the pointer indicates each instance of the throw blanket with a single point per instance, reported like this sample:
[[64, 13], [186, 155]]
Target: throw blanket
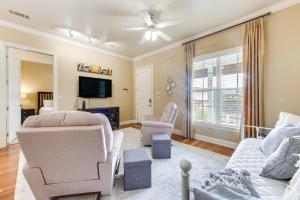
[[227, 184]]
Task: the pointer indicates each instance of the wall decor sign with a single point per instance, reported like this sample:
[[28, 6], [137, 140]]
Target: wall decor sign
[[96, 69]]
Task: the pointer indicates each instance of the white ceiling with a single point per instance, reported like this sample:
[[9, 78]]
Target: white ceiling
[[107, 18]]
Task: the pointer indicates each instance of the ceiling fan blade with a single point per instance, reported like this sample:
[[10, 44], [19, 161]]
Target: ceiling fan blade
[[135, 29], [163, 36], [167, 24], [148, 19]]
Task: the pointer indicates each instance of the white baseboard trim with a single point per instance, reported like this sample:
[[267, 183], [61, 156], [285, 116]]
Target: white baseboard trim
[[128, 122], [210, 139], [178, 132], [216, 141]]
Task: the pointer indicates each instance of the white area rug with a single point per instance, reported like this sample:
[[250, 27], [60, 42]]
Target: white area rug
[[166, 173]]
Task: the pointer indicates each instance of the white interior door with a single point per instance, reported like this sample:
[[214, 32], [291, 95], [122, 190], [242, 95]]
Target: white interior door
[[144, 92], [14, 94]]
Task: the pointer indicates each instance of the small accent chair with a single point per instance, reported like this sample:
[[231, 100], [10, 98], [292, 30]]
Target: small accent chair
[[163, 125], [69, 153]]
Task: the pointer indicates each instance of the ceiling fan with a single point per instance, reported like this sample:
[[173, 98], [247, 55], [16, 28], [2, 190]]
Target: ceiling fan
[[152, 28]]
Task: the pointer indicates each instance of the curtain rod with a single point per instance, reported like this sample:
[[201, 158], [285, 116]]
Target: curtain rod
[[230, 27]]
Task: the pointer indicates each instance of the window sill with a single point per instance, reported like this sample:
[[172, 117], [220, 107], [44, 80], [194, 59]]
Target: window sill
[[216, 126]]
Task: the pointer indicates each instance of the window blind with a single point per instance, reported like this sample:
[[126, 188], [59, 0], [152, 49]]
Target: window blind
[[217, 88]]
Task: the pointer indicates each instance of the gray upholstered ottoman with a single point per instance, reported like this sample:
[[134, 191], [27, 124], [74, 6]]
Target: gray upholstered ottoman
[[161, 146], [137, 169]]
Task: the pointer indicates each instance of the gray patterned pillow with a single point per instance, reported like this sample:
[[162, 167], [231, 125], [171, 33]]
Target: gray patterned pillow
[[281, 164]]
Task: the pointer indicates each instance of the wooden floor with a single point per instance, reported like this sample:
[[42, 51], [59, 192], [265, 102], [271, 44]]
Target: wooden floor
[[9, 157]]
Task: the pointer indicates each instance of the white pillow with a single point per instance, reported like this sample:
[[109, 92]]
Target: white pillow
[[287, 118], [276, 136], [292, 190], [48, 103]]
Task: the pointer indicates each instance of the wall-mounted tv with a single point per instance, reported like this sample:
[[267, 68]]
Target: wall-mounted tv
[[94, 87]]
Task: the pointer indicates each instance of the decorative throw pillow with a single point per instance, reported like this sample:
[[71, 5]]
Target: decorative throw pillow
[[48, 103], [282, 163], [292, 190], [276, 136], [287, 118]]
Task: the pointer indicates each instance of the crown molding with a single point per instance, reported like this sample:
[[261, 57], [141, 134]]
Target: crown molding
[[272, 8], [25, 29]]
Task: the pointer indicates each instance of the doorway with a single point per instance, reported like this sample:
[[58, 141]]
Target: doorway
[[27, 72], [144, 92]]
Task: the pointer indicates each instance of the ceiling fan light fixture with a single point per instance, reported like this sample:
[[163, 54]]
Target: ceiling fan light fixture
[[148, 35], [111, 44], [154, 35]]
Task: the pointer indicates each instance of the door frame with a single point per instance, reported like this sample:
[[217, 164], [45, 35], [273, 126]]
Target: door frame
[[4, 84], [136, 88]]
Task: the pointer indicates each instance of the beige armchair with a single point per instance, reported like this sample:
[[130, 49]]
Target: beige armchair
[[165, 124], [69, 153]]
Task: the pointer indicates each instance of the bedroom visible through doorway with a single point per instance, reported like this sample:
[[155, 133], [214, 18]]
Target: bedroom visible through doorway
[[29, 74]]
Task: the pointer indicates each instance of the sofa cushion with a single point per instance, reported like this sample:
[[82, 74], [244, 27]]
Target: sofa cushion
[[249, 156], [292, 190], [287, 118], [276, 136], [281, 163]]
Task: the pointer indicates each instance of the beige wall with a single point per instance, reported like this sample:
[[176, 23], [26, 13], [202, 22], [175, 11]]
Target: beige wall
[[35, 77], [282, 69], [68, 55]]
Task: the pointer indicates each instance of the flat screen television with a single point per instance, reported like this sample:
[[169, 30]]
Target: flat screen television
[[94, 87]]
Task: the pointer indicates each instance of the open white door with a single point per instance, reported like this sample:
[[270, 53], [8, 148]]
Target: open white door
[[144, 92], [14, 94]]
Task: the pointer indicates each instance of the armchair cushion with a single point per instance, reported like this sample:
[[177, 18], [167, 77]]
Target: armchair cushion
[[62, 152], [157, 124], [168, 113], [62, 118], [152, 118], [109, 136], [72, 118]]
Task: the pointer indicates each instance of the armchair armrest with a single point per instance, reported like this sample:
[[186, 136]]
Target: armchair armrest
[[261, 132], [157, 124]]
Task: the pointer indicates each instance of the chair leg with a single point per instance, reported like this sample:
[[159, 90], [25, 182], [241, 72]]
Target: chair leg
[[99, 196]]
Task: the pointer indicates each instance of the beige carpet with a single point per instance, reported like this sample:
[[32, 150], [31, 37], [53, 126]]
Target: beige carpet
[[166, 178]]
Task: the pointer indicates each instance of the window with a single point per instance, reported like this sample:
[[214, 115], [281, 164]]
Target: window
[[217, 88]]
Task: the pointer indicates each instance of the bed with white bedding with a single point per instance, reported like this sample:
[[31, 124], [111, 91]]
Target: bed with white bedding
[[45, 102]]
